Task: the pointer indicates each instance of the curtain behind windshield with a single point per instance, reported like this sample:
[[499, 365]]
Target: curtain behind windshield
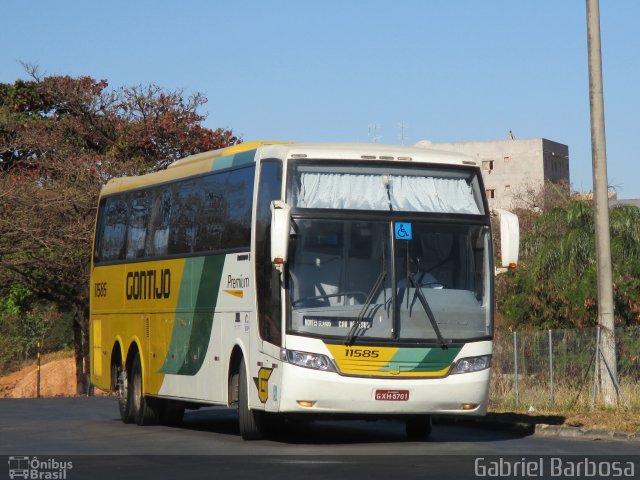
[[386, 192]]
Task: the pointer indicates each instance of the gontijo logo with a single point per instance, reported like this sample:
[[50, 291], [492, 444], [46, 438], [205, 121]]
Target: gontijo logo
[[33, 468], [148, 284]]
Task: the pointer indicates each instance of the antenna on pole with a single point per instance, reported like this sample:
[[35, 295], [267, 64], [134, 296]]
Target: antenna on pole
[[403, 131], [373, 132]]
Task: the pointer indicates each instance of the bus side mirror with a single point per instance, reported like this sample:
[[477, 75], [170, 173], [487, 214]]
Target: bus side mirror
[[280, 227], [509, 238]]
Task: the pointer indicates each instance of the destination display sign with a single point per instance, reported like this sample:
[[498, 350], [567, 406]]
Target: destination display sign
[[333, 322]]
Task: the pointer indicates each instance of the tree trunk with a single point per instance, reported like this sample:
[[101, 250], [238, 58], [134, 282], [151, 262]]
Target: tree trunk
[[78, 340], [86, 346]]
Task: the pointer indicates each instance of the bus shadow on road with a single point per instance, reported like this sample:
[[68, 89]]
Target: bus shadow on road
[[336, 432]]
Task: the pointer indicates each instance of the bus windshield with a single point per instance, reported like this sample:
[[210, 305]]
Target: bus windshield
[[348, 272], [389, 279]]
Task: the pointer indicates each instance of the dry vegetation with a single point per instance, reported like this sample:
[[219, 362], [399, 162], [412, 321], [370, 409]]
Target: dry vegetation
[[571, 406]]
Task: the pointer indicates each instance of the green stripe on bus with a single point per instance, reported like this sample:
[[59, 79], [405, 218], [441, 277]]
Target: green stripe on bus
[[194, 318], [422, 359], [203, 318], [234, 160]]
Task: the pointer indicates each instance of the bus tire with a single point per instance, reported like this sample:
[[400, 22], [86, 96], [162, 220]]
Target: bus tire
[[145, 409], [171, 413], [418, 427], [122, 388], [250, 421]]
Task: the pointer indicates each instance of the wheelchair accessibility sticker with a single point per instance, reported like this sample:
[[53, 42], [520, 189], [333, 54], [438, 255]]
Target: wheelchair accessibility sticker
[[403, 231]]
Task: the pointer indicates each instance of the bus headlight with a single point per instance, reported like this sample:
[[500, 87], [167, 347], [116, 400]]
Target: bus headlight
[[315, 361], [472, 364]]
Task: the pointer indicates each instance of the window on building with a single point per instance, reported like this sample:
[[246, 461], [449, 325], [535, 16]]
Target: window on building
[[491, 193], [487, 165]]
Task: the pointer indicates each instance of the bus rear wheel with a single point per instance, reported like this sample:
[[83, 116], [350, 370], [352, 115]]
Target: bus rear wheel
[[145, 410], [250, 421], [418, 427], [122, 388]]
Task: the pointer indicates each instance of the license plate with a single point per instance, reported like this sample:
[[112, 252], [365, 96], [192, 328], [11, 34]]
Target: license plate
[[392, 395]]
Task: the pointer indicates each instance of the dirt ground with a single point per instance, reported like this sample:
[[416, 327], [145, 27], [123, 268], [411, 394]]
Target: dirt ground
[[57, 378]]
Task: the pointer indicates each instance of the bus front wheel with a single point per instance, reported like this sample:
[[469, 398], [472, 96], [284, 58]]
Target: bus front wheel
[[250, 421], [418, 427]]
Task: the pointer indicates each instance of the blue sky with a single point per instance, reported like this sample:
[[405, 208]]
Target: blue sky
[[451, 70]]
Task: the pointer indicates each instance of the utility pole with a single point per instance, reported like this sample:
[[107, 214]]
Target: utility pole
[[608, 368]]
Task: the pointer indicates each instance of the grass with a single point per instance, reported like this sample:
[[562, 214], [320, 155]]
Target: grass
[[571, 405]]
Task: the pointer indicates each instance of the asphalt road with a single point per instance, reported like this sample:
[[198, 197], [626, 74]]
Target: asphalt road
[[88, 432]]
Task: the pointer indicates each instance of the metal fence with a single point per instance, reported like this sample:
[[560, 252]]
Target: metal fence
[[557, 368]]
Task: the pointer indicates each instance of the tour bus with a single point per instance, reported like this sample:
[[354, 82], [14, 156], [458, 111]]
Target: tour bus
[[297, 281]]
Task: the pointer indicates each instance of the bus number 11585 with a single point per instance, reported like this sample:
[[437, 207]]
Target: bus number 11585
[[361, 353]]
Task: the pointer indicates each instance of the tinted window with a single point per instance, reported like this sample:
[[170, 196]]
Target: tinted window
[[212, 218], [157, 241], [239, 195], [112, 240], [267, 278], [204, 214], [186, 198], [137, 227]]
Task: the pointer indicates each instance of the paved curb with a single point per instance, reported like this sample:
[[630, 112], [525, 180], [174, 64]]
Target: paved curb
[[523, 428], [544, 430], [539, 429]]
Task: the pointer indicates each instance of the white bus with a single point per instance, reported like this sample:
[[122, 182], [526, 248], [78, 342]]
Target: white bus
[[296, 280]]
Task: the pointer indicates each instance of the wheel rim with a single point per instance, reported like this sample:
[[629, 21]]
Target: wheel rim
[[137, 388], [123, 386]]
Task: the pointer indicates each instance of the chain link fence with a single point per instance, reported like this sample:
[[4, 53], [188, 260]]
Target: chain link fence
[[554, 369]]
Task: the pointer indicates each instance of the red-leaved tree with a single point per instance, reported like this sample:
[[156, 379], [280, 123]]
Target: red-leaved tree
[[61, 139]]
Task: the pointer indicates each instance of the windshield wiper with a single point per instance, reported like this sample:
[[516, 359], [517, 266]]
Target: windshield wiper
[[427, 309], [351, 336]]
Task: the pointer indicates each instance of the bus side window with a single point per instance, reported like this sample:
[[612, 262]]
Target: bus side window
[[267, 278], [137, 231], [157, 240], [211, 220], [185, 206], [98, 243], [239, 194], [112, 237]]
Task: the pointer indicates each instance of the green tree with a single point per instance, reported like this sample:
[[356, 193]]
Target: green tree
[[61, 139], [555, 283]]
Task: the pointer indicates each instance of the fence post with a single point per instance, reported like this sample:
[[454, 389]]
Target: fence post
[[515, 362], [551, 367], [38, 374], [595, 369]]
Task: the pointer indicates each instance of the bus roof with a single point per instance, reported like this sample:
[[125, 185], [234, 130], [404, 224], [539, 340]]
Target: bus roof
[[246, 153]]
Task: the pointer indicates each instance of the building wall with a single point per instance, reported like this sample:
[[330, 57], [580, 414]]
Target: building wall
[[511, 166]]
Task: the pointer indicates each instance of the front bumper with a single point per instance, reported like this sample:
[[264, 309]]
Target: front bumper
[[331, 393]]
